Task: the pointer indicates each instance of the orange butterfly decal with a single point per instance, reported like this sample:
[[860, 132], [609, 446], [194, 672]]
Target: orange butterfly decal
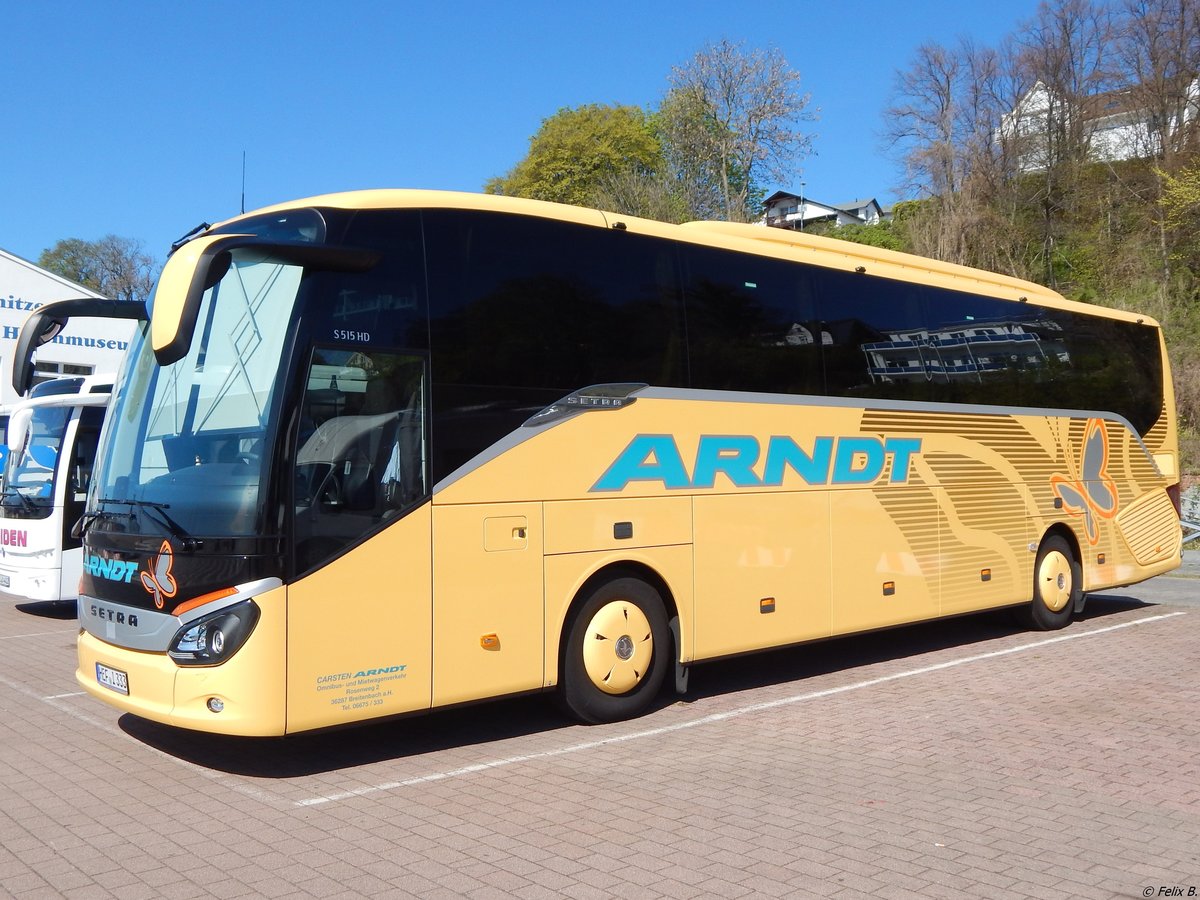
[[1089, 491], [159, 581]]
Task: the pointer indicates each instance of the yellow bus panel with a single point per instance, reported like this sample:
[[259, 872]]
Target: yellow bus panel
[[763, 569], [163, 691], [339, 671], [488, 611]]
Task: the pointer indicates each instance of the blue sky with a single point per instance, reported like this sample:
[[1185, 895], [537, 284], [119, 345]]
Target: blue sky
[[131, 118]]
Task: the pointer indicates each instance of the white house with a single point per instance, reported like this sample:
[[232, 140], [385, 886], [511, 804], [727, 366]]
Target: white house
[[1115, 125], [84, 346], [787, 210], [964, 352]]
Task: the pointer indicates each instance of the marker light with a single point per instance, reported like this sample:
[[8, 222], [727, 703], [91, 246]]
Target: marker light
[[215, 704], [212, 639]]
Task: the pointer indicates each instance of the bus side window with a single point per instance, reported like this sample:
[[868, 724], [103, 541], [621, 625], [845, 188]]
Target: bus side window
[[362, 455], [750, 322]]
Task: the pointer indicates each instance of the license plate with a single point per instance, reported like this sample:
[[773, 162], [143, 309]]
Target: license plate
[[4, 581], [113, 679]]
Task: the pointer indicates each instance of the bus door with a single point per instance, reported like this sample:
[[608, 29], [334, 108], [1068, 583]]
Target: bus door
[[359, 614], [79, 457]]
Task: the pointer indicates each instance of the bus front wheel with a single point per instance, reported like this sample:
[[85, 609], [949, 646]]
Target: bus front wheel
[[617, 652], [1057, 586]]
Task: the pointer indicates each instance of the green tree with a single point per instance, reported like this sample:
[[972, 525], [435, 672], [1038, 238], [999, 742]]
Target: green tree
[[883, 234], [113, 266], [578, 151], [730, 118], [649, 196], [1181, 207]]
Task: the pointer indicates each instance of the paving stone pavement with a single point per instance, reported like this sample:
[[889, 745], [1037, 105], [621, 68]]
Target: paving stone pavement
[[963, 758]]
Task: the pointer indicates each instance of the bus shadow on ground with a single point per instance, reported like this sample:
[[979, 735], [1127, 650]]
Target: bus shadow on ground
[[358, 745], [498, 721], [50, 609], [799, 663]]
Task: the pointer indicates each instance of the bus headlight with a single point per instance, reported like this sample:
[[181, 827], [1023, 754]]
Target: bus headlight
[[214, 638]]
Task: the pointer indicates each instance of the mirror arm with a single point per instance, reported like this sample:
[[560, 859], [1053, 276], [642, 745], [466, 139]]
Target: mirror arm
[[47, 322]]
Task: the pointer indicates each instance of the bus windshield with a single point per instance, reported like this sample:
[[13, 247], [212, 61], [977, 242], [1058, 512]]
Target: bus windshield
[[192, 434], [30, 470]]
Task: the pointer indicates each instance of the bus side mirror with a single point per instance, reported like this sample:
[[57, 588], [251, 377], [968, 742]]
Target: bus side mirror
[[47, 322], [39, 329], [203, 261]]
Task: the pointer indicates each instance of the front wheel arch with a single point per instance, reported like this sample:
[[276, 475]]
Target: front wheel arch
[[1057, 584], [616, 647]]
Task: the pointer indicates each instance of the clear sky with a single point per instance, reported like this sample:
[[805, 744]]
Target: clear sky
[[131, 118]]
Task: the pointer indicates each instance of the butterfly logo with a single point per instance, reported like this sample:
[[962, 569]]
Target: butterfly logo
[[159, 581], [1090, 493]]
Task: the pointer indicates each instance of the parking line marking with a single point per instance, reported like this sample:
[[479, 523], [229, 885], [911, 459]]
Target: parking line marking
[[722, 716], [55, 702], [17, 637]]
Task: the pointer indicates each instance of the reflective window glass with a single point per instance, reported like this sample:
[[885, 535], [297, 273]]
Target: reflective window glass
[[524, 311], [751, 323], [361, 450]]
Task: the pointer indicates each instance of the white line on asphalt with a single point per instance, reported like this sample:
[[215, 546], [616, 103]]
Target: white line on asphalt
[[64, 696], [17, 637], [107, 726], [721, 716]]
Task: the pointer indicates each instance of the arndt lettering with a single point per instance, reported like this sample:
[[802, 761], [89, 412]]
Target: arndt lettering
[[110, 569], [855, 460]]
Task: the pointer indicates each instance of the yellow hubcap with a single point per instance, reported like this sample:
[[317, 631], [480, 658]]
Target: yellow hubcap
[[1055, 581], [617, 647]]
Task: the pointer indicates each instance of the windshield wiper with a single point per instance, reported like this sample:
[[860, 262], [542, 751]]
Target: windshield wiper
[[158, 512], [25, 501], [186, 541], [80, 528]]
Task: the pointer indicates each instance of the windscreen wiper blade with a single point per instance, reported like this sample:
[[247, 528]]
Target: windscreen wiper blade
[[158, 512], [80, 528], [25, 501], [186, 541]]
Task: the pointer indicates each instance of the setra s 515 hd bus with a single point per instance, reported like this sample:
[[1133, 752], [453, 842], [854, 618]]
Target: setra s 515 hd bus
[[380, 452]]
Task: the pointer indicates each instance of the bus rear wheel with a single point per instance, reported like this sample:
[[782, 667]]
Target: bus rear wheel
[[1057, 586], [617, 652]]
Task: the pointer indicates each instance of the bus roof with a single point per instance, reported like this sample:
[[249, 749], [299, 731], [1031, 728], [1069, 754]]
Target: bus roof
[[757, 239]]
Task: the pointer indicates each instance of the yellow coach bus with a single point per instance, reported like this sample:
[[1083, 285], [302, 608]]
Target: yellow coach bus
[[381, 452]]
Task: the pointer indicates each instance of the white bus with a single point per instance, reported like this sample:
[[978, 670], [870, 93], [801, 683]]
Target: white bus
[[51, 448]]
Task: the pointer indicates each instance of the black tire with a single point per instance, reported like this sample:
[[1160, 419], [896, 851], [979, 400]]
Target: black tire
[[617, 652], [1057, 586]]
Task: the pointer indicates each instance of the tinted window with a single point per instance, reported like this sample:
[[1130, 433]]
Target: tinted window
[[384, 306], [361, 448], [1102, 364], [751, 323], [526, 310], [83, 460], [304, 225], [873, 337], [989, 351], [894, 340]]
